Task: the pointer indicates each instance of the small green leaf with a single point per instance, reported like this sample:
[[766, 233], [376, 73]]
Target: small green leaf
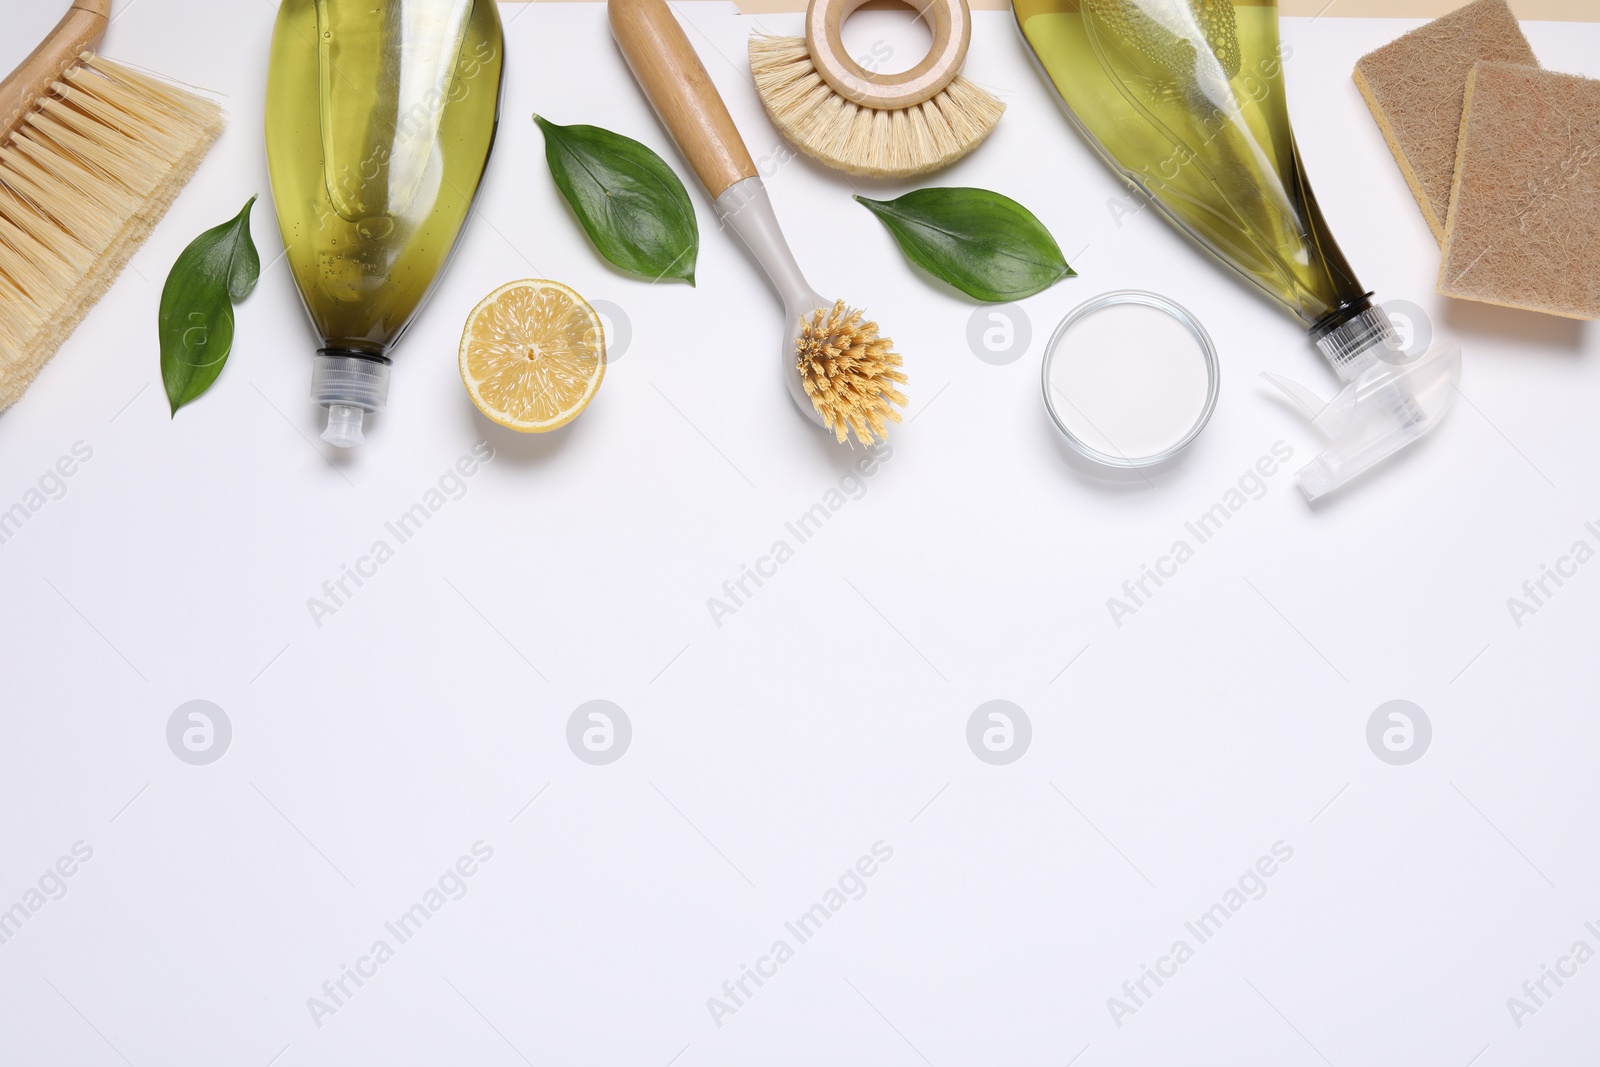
[[987, 245], [629, 202], [219, 267]]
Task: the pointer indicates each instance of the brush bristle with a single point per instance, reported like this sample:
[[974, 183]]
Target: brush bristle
[[862, 140], [83, 181], [850, 373]]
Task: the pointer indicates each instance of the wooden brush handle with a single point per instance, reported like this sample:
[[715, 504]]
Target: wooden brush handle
[[951, 24], [78, 32], [679, 89]]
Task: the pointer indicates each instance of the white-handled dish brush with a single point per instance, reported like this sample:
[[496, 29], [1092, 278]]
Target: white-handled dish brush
[[839, 371]]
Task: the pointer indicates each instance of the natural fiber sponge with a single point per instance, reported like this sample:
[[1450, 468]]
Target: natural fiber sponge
[[1524, 223], [1414, 87]]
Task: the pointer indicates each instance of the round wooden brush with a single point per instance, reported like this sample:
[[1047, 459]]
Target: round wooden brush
[[870, 124], [839, 371], [91, 156]]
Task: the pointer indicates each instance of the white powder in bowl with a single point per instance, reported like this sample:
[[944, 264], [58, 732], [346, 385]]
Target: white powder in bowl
[[1128, 380]]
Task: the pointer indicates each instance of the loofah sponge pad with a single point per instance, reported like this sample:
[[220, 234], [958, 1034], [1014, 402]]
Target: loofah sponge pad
[[1523, 229], [1414, 87]]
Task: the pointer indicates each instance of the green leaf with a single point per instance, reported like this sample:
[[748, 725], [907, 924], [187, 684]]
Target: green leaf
[[629, 202], [219, 268], [987, 245]]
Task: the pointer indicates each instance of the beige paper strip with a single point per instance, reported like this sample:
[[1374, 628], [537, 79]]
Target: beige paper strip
[[1549, 10]]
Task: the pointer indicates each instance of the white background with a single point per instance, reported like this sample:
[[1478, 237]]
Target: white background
[[830, 711]]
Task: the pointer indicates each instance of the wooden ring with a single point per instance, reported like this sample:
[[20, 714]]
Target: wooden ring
[[951, 22]]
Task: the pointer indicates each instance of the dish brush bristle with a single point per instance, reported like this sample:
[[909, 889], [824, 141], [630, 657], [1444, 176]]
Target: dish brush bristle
[[85, 178], [863, 140], [850, 373]]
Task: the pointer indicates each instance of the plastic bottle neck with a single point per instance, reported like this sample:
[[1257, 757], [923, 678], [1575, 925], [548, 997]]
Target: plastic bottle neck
[[348, 385], [1359, 341]]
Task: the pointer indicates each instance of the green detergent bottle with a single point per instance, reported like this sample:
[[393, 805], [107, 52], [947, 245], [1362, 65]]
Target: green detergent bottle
[[1185, 98], [380, 118]]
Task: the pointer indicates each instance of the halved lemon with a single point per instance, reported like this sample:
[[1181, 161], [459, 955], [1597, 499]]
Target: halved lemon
[[532, 355]]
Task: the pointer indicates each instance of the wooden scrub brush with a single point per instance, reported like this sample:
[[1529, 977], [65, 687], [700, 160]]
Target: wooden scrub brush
[[838, 370], [869, 124], [91, 156]]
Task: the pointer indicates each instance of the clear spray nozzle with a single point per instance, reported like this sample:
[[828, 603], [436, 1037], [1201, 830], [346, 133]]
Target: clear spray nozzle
[[1382, 410]]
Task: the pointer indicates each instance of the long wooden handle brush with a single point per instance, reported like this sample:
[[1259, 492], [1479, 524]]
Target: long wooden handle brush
[[91, 156], [839, 371]]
